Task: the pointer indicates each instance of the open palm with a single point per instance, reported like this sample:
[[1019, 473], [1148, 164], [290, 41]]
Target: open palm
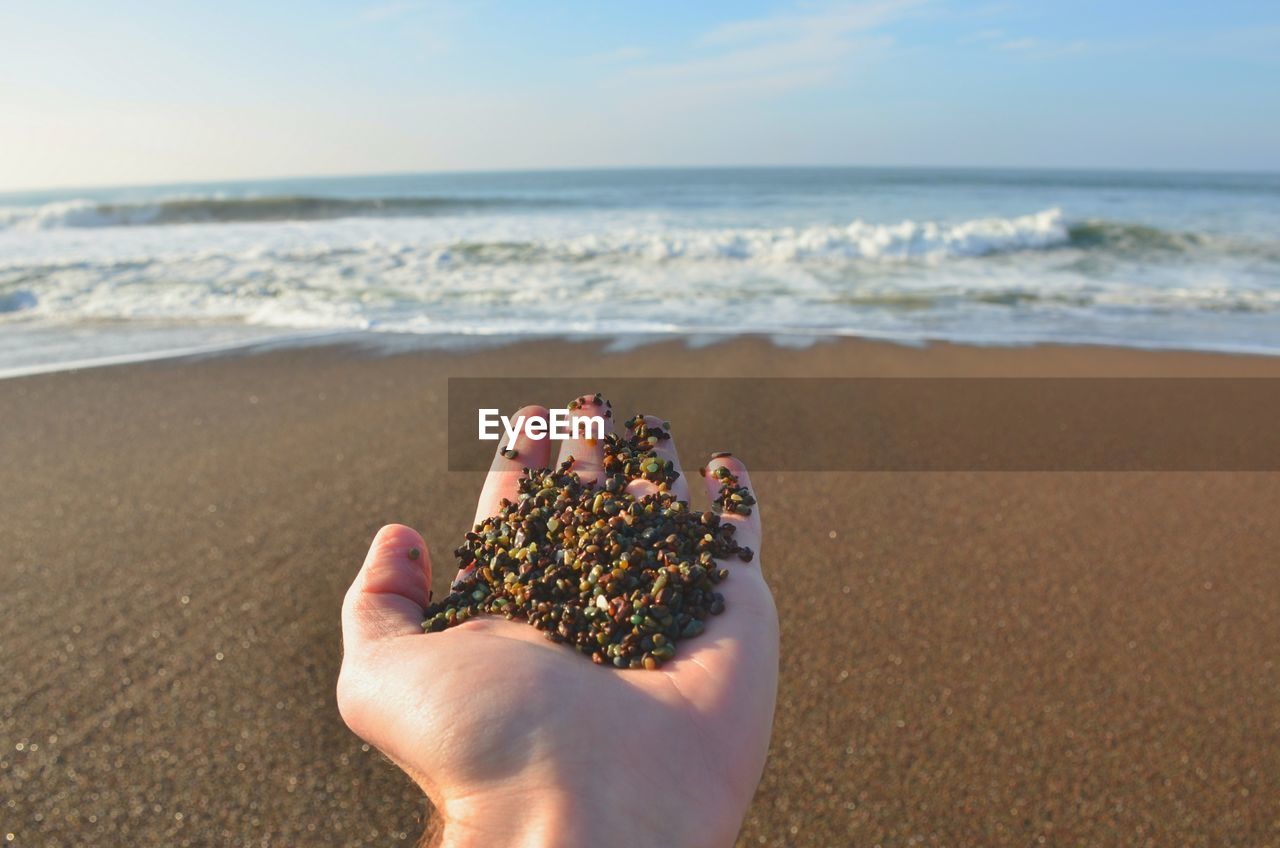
[[520, 741]]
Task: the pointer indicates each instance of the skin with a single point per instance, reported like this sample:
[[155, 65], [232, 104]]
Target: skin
[[521, 742]]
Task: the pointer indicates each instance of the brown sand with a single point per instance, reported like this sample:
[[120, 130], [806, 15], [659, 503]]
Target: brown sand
[[1006, 659]]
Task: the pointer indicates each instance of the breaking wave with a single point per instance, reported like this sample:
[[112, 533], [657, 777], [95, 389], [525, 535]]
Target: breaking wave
[[214, 210], [858, 240]]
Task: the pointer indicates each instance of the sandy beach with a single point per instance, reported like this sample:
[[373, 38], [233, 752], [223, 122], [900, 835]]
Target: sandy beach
[[969, 659]]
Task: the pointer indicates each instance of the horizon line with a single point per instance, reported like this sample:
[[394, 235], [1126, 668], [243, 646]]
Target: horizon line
[[4, 192]]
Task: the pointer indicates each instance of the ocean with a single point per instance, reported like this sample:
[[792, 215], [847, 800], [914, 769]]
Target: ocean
[[988, 257]]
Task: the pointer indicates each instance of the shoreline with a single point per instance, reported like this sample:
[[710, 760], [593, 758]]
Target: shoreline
[[379, 344]]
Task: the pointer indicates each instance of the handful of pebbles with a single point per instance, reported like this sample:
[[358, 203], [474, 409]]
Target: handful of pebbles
[[621, 578]]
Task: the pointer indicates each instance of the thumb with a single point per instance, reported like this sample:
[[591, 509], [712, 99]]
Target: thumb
[[392, 589]]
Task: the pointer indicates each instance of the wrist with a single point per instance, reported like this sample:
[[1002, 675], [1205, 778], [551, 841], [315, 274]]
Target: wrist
[[519, 823], [522, 826], [549, 820]]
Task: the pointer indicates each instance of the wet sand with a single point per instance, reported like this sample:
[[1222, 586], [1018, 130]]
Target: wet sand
[[968, 658]]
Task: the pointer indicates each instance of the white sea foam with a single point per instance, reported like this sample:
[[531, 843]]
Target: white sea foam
[[482, 275]]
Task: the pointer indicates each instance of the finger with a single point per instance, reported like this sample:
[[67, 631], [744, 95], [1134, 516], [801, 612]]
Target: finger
[[731, 670], [587, 453], [666, 451], [504, 473], [393, 587], [747, 632], [747, 532]]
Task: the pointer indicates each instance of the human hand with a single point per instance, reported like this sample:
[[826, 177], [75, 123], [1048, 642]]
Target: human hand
[[519, 741]]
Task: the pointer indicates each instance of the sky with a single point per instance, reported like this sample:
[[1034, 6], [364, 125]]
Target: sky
[[131, 92]]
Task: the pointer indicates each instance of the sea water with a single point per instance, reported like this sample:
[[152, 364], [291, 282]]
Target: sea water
[[989, 257]]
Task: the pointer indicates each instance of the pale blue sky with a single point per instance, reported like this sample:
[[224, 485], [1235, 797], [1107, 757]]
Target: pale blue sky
[[131, 92]]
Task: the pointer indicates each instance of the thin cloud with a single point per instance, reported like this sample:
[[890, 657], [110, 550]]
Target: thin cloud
[[985, 35], [989, 10], [622, 54], [1038, 49], [427, 23], [839, 19], [1020, 44], [784, 52], [1261, 43], [388, 11]]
